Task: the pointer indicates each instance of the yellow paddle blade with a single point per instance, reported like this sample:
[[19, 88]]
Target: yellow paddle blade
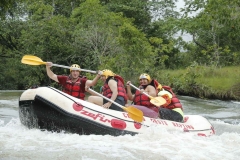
[[158, 101], [32, 60], [134, 113]]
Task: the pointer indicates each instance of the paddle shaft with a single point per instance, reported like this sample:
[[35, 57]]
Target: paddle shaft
[[106, 98], [85, 70], [34, 60], [140, 90], [157, 101]]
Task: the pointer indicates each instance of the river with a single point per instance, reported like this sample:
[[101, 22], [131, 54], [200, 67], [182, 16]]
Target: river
[[18, 142]]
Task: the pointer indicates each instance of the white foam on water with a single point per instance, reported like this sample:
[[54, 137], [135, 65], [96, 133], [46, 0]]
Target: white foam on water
[[235, 102], [9, 103], [19, 142]]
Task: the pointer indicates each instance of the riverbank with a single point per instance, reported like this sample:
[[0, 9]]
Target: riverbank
[[204, 82]]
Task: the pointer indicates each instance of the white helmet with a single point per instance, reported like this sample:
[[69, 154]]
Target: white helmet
[[74, 67]]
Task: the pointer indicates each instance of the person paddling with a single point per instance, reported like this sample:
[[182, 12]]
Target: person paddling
[[74, 84], [148, 86], [113, 89]]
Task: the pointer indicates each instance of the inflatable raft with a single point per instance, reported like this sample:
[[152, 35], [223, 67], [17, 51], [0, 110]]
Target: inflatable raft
[[50, 109]]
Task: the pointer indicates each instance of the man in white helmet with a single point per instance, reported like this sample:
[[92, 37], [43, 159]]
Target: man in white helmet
[[74, 84], [146, 85]]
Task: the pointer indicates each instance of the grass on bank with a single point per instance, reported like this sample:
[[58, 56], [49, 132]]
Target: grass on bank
[[219, 81]]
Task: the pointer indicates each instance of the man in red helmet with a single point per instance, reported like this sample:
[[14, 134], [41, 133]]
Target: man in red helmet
[[74, 84]]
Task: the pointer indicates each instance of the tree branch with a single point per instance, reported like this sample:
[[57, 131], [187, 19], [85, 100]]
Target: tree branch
[[197, 43]]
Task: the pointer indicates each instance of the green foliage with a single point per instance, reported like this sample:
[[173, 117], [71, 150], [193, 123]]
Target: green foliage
[[187, 81], [139, 54], [168, 55], [11, 9], [48, 37], [38, 10], [110, 40], [138, 11], [128, 37], [96, 33], [214, 30]]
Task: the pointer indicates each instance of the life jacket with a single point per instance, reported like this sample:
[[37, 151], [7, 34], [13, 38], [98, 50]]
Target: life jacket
[[75, 89], [175, 103], [120, 87], [155, 84], [143, 100]]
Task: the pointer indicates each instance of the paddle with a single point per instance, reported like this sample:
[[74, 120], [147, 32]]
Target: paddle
[[33, 60], [134, 113], [157, 101]]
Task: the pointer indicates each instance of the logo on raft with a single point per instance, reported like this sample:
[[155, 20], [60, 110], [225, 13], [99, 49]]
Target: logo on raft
[[115, 123]]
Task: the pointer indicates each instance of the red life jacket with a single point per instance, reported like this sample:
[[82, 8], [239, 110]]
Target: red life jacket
[[143, 100], [121, 89], [76, 89], [175, 103], [155, 84]]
